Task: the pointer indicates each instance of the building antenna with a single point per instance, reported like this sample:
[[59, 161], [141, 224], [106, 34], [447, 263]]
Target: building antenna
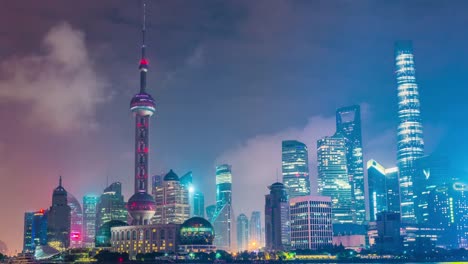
[[277, 178], [143, 61]]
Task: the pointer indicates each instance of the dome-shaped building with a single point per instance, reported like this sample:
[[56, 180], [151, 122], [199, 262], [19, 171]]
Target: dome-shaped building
[[103, 235], [197, 235], [141, 207]]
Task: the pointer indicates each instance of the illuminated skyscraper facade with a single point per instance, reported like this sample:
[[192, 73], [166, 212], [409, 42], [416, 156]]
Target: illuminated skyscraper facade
[[210, 212], [348, 124], [35, 230], [186, 181], [384, 194], [172, 201], [89, 220], [222, 218], [410, 131], [255, 233], [242, 232], [111, 205], [199, 204], [311, 222], [277, 219], [76, 223], [28, 242], [295, 168], [333, 178]]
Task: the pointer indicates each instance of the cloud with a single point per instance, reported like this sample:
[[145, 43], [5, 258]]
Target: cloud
[[197, 58], [59, 89], [257, 162]]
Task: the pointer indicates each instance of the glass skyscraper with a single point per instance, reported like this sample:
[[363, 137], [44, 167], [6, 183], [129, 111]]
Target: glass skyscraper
[[333, 178], [348, 124], [76, 224], [410, 130], [295, 168], [89, 220], [111, 205], [28, 242], [242, 233], [35, 230], [199, 204], [277, 219], [255, 233], [222, 218], [384, 194]]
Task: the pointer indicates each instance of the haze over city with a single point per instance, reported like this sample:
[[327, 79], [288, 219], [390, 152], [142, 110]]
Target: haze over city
[[231, 80]]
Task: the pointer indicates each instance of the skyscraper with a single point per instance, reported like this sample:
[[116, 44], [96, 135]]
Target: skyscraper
[[28, 242], [410, 130], [89, 220], [277, 220], [199, 204], [210, 212], [255, 233], [242, 233], [172, 203], [348, 124], [111, 205], [35, 230], [222, 218], [295, 168], [186, 181], [384, 189], [76, 223], [435, 198], [141, 205], [333, 178], [311, 222], [58, 225], [156, 180]]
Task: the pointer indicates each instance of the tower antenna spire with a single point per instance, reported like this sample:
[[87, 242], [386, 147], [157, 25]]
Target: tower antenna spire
[[143, 61], [143, 31]]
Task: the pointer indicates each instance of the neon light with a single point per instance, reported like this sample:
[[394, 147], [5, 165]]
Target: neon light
[[144, 61]]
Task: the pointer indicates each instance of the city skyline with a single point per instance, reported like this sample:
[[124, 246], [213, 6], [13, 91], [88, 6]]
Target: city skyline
[[56, 148]]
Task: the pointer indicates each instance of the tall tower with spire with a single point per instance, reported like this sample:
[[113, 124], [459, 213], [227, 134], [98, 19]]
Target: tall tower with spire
[[141, 205], [58, 222]]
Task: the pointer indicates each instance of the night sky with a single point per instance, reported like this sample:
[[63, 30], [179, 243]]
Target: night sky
[[231, 80]]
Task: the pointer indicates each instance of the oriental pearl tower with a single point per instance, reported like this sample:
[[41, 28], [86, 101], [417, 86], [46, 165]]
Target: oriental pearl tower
[[141, 205]]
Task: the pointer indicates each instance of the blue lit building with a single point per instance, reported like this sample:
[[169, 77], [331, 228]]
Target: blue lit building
[[198, 204], [89, 220], [111, 205], [28, 243], [223, 217], [242, 232], [255, 233], [410, 131], [35, 230], [333, 178], [384, 189], [348, 124], [295, 168]]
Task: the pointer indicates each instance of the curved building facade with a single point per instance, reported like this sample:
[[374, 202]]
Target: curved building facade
[[410, 130]]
